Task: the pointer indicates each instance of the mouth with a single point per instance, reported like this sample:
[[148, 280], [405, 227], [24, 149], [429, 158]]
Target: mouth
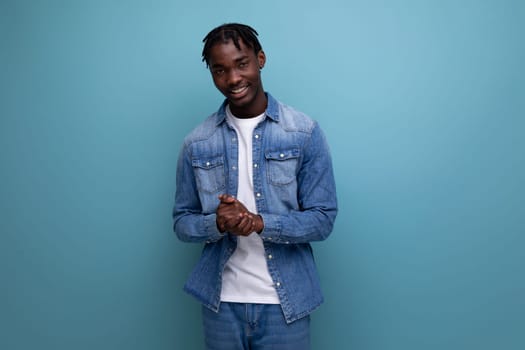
[[239, 90]]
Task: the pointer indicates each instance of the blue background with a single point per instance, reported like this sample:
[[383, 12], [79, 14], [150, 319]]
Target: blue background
[[423, 104]]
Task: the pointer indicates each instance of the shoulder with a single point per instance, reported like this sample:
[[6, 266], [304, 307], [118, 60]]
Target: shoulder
[[204, 130], [292, 119]]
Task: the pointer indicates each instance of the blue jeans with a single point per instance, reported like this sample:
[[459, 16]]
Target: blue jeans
[[240, 326]]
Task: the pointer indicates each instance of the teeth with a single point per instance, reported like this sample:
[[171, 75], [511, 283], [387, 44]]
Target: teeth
[[241, 89]]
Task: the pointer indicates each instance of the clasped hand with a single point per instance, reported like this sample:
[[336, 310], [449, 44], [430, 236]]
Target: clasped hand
[[233, 217]]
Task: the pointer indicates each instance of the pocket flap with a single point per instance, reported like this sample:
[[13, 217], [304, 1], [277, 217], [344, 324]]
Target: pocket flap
[[282, 154], [208, 162]]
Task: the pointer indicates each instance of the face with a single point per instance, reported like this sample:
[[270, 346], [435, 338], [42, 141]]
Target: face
[[236, 73]]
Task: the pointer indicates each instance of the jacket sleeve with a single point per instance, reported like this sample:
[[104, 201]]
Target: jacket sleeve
[[314, 219], [190, 224]]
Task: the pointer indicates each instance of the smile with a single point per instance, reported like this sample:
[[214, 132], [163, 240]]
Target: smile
[[239, 90]]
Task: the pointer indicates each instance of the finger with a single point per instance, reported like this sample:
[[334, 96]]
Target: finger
[[227, 199], [246, 226], [227, 209], [220, 224], [235, 224], [232, 222]]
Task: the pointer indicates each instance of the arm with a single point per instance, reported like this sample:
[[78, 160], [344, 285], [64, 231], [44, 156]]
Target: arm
[[190, 223], [316, 194]]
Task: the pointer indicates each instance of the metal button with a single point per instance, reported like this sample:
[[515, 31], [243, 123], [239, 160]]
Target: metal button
[[258, 194], [207, 163], [270, 256], [278, 284], [281, 155], [255, 165], [256, 136]]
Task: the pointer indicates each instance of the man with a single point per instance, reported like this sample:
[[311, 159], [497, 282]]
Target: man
[[255, 185]]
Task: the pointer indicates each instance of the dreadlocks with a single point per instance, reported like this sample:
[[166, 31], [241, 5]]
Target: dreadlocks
[[230, 31]]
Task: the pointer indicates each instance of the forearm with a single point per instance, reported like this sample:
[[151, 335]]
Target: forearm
[[298, 226], [197, 228]]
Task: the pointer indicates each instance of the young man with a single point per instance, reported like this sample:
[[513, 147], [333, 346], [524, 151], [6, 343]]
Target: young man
[[255, 185]]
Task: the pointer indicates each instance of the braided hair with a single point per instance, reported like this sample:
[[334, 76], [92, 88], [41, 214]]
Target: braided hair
[[230, 31]]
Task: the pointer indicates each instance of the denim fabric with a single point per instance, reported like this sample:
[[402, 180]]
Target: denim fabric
[[240, 326], [294, 192]]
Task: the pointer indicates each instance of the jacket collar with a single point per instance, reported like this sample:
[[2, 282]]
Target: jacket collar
[[272, 110]]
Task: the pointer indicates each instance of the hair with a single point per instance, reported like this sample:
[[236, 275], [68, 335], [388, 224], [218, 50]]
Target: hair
[[227, 32]]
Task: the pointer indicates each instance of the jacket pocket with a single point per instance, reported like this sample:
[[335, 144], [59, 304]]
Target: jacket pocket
[[209, 173], [282, 166]]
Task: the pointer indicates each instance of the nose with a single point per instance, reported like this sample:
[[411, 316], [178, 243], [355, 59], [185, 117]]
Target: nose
[[234, 77]]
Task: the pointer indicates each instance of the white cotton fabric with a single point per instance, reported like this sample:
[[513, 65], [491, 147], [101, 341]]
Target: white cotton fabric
[[245, 277]]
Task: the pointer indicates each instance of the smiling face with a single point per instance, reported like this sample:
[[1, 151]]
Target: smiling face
[[236, 73]]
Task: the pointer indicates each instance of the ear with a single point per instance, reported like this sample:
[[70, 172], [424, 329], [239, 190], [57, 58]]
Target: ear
[[261, 59]]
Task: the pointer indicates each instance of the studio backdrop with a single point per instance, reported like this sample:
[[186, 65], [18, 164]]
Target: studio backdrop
[[423, 106]]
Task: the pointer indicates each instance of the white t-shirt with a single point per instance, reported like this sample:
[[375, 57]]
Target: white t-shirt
[[246, 278]]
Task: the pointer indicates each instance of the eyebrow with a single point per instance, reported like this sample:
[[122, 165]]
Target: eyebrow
[[239, 59]]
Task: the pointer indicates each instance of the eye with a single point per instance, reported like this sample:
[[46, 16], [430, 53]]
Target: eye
[[218, 71], [243, 64]]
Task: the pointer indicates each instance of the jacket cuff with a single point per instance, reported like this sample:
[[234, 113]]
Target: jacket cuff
[[272, 228], [210, 227]]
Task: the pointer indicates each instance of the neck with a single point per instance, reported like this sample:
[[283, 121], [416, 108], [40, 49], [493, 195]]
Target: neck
[[257, 107]]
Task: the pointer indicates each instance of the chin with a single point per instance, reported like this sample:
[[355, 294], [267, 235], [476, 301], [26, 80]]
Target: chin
[[242, 102]]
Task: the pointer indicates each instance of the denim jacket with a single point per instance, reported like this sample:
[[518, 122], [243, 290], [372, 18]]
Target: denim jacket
[[294, 193]]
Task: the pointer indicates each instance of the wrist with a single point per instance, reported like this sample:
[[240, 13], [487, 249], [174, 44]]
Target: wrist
[[259, 224]]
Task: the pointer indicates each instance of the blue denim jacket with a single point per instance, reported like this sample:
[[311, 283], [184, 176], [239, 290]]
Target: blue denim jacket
[[294, 192]]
